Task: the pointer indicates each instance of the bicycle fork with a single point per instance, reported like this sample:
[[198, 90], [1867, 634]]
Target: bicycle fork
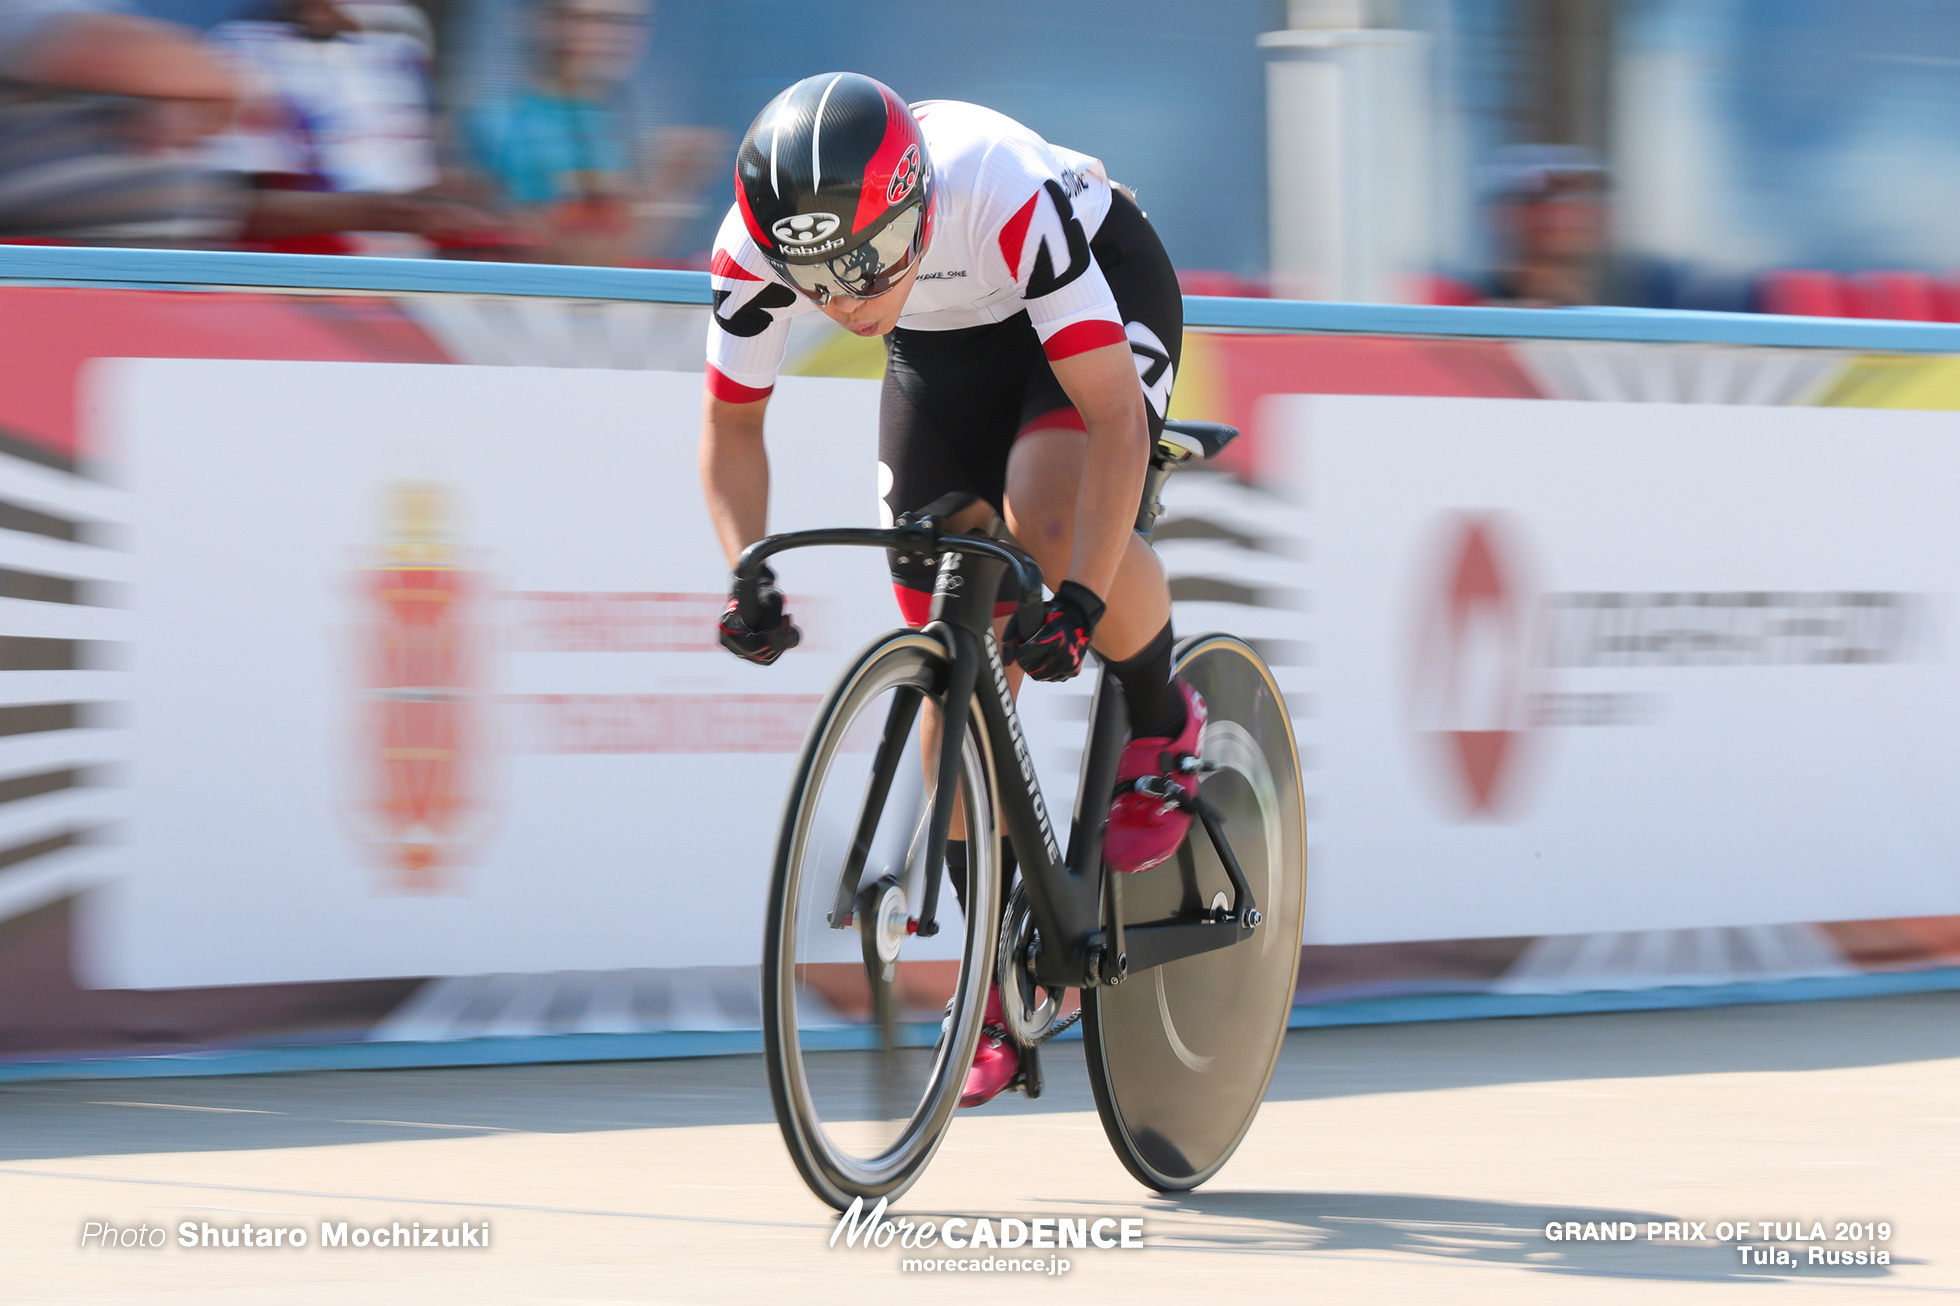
[[962, 598]]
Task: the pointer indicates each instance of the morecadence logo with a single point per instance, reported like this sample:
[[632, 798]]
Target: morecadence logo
[[981, 1237]]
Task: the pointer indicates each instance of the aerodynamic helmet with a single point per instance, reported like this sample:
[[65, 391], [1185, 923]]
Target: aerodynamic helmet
[[835, 186]]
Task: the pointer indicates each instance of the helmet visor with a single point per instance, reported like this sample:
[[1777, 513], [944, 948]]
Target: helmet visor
[[866, 271]]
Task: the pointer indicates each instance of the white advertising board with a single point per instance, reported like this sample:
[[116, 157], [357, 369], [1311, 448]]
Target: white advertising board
[[1559, 668], [425, 676], [1610, 667]]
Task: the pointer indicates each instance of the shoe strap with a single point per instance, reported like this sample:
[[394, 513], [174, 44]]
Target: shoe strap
[[1165, 786], [1172, 763]]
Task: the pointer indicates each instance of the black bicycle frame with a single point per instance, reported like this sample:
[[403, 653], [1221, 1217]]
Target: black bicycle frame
[[1076, 907]]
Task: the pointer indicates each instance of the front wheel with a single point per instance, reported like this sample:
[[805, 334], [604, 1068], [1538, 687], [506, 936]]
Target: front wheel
[[868, 1027], [1180, 1054]]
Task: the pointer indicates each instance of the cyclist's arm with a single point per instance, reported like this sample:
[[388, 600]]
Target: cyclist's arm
[[1044, 246], [735, 472], [1102, 383], [746, 337]]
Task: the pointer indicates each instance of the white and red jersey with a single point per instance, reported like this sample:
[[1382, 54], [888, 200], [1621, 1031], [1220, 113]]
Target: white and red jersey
[[1013, 217]]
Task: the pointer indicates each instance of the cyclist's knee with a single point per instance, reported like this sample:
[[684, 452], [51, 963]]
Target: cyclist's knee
[[1041, 502], [1047, 531]]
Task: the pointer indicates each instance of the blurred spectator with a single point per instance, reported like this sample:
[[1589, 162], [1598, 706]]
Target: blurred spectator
[[104, 120], [562, 156], [100, 113], [337, 108], [1550, 206]]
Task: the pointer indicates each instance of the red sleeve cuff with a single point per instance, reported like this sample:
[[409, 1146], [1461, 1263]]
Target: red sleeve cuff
[[734, 392], [1081, 337]]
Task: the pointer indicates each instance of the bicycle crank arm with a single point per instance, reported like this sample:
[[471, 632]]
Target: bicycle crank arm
[[1163, 941], [1126, 949], [1245, 907]]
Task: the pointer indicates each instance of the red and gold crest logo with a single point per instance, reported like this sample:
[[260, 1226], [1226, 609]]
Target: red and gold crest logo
[[422, 713]]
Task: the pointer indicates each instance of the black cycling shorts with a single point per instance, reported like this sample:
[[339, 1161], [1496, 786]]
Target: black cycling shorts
[[955, 401]]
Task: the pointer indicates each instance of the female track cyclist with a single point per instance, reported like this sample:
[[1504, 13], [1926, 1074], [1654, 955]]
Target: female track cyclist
[[1032, 326]]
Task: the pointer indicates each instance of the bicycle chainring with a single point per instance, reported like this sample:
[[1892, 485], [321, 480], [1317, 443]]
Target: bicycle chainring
[[1032, 1012]]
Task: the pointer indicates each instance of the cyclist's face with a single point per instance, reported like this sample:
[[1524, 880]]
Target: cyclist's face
[[872, 317]]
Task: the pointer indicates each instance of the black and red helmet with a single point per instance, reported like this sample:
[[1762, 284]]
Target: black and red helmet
[[835, 186]]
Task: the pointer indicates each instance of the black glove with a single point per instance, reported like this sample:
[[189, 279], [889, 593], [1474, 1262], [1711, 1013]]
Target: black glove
[[1057, 649], [765, 643]]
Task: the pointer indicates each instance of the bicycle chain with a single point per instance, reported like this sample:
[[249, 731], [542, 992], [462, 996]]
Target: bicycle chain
[[1057, 1027]]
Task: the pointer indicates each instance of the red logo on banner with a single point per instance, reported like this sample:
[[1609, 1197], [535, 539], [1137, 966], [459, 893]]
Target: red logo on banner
[[422, 710], [1473, 674]]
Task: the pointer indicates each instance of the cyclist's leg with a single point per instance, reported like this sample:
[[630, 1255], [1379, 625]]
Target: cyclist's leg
[[1046, 467], [1135, 635], [1043, 480]]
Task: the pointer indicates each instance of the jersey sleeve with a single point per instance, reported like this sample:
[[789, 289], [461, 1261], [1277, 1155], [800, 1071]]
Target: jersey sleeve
[[1039, 239], [749, 327]]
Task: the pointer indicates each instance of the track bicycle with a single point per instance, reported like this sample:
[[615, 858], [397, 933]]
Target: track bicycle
[[875, 979]]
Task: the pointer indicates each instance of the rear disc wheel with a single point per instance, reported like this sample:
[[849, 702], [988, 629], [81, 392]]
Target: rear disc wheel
[[1180, 1054]]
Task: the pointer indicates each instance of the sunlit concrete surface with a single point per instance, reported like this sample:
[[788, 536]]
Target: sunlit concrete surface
[[1414, 1163]]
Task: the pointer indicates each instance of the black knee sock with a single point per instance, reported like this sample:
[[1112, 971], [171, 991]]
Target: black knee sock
[[1156, 708], [956, 869]]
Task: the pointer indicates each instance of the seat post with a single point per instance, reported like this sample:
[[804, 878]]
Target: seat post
[[1152, 506], [1181, 442]]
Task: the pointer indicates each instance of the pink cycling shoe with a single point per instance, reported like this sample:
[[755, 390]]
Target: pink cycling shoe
[[1145, 830], [997, 1061]]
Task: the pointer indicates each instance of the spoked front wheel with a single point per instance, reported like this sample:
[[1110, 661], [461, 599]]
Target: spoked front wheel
[[1180, 1054], [869, 1028]]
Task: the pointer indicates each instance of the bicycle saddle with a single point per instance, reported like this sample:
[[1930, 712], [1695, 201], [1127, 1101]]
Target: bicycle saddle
[[1195, 440]]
